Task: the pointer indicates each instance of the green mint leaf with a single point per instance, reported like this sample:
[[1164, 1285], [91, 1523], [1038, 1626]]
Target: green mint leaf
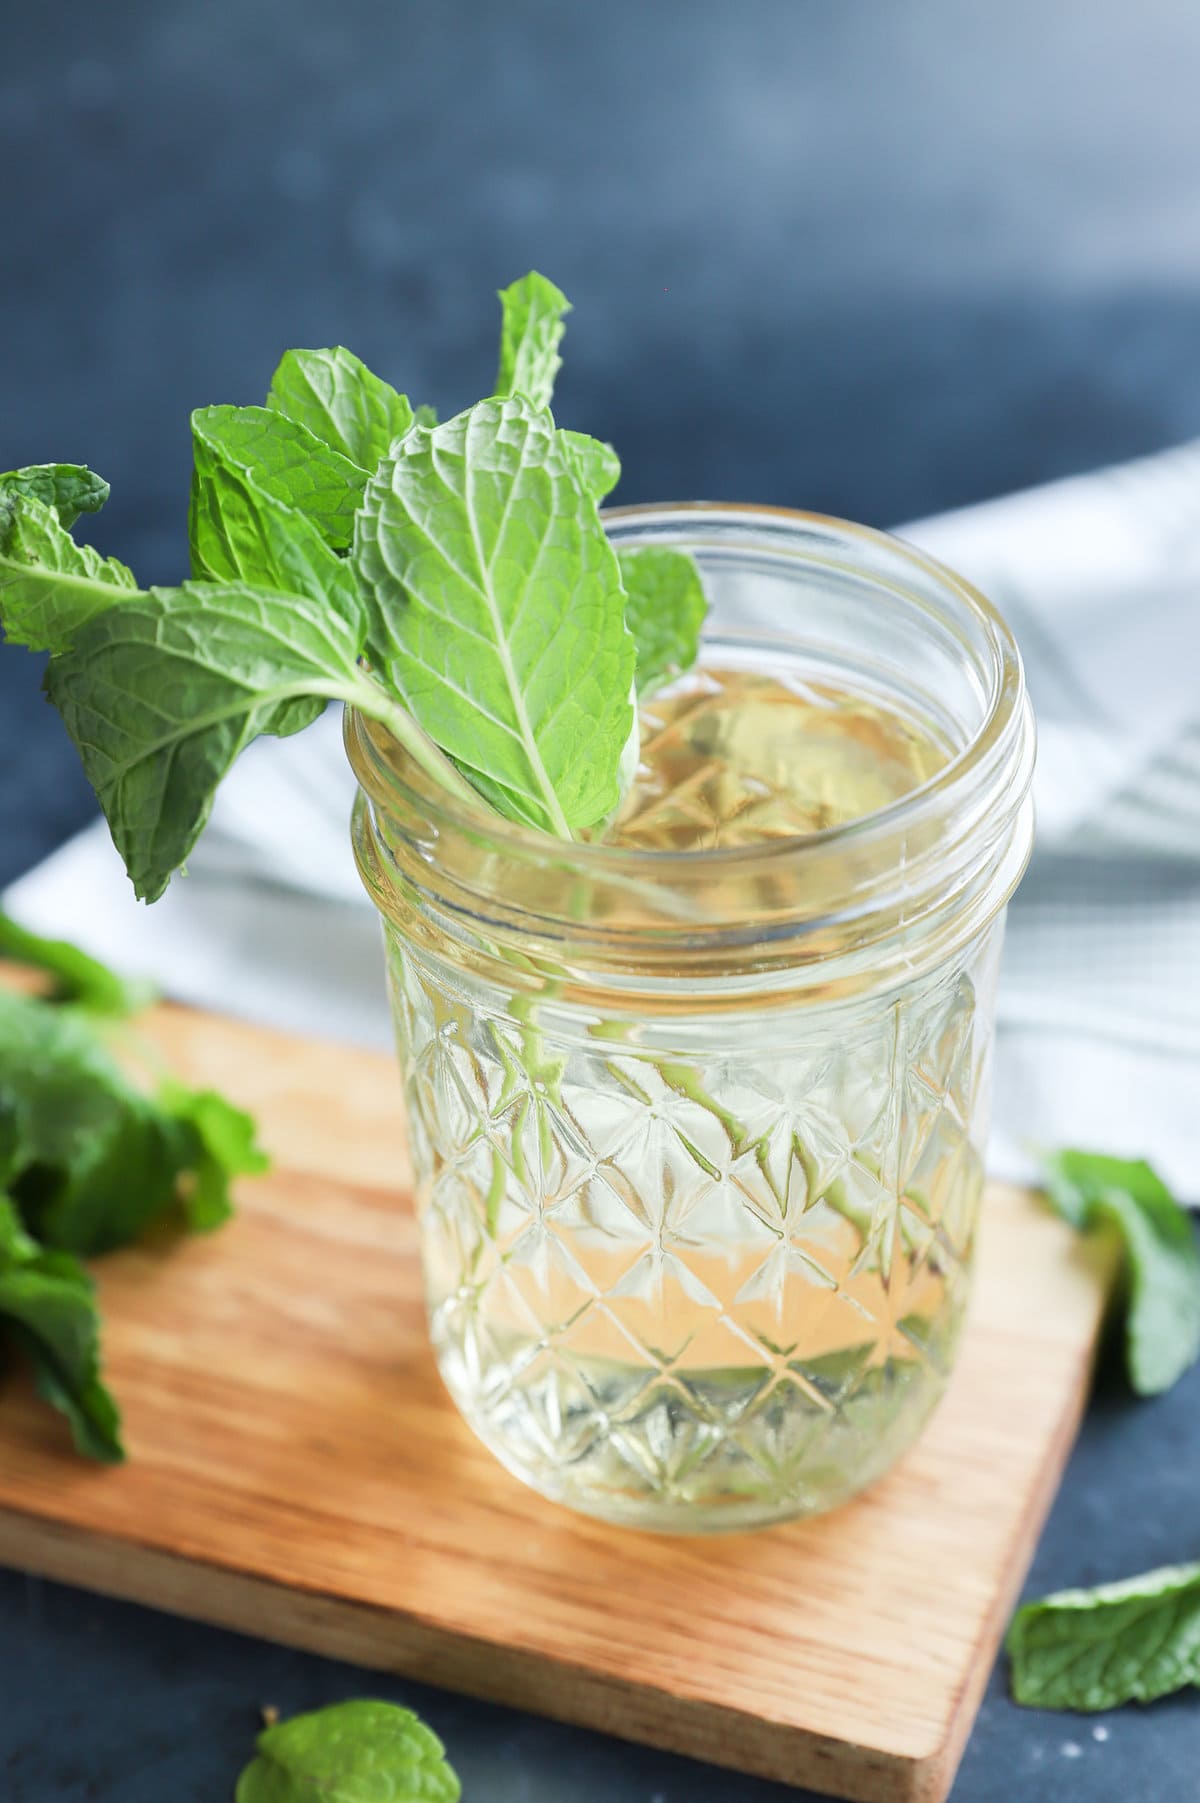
[[350, 1753], [342, 403], [240, 533], [70, 488], [598, 465], [97, 1161], [288, 462], [497, 612], [425, 415], [531, 329], [48, 1306], [1119, 1643], [664, 609], [1162, 1321], [77, 977], [92, 1160], [225, 1145], [49, 585], [161, 695]]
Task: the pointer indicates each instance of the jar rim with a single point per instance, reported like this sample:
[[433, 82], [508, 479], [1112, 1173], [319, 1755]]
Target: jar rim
[[374, 754]]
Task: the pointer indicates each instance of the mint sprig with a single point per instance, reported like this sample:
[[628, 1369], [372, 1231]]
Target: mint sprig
[[89, 1160], [1117, 1643], [453, 582], [360, 1752], [1161, 1260]]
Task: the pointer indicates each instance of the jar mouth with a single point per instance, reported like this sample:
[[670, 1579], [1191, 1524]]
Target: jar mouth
[[867, 870]]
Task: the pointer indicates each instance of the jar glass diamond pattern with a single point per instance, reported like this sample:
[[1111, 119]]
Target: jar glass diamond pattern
[[697, 1112]]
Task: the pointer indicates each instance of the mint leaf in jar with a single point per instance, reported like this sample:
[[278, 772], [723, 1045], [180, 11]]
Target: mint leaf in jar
[[359, 1752], [531, 330], [665, 608], [69, 488], [49, 585], [341, 402], [291, 463], [497, 611], [1118, 1643], [1162, 1264]]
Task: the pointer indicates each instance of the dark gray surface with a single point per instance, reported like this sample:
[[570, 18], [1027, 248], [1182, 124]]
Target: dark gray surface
[[868, 256]]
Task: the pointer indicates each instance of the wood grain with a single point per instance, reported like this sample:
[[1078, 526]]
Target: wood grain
[[297, 1472]]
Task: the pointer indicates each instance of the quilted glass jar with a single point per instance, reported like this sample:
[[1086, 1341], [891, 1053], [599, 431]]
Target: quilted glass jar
[[698, 1134]]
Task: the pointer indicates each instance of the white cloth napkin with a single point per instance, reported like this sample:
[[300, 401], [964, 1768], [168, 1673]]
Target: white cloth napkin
[[1099, 1015]]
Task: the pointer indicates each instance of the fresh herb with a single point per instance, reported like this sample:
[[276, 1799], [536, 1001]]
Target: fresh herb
[[478, 551], [1162, 1264], [48, 1308], [88, 1161], [361, 1752], [453, 582], [69, 488], [1119, 1643], [664, 610], [336, 396], [76, 977]]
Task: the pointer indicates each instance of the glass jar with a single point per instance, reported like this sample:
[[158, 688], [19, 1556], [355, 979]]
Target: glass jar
[[698, 1136]]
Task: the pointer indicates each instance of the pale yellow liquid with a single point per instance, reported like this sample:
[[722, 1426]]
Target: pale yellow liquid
[[721, 1287], [733, 757]]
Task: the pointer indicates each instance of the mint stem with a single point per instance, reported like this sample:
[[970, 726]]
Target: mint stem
[[370, 699]]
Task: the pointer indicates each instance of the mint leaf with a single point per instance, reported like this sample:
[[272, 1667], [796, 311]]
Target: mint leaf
[[288, 462], [350, 1753], [1119, 1643], [598, 465], [240, 533], [497, 613], [425, 415], [77, 977], [48, 1307], [342, 403], [161, 695], [96, 1159], [224, 1146], [1162, 1264], [531, 329], [49, 585], [69, 488], [664, 609]]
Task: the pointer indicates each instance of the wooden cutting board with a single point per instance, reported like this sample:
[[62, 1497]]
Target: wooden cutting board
[[297, 1472]]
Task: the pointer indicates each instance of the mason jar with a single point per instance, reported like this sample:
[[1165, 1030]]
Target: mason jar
[[697, 1136]]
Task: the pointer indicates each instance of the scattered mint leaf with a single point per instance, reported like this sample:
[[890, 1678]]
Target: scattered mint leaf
[[350, 1753], [664, 609], [240, 533], [70, 488], [48, 1307], [97, 1159], [531, 329], [286, 461], [597, 463], [78, 978], [162, 694], [1162, 1321], [1119, 1643], [497, 613], [341, 402], [224, 1146], [49, 585]]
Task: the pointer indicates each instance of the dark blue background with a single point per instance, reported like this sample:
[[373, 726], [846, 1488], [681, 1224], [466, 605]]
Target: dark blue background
[[878, 257]]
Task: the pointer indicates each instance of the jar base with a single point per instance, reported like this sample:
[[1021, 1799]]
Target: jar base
[[665, 1471]]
